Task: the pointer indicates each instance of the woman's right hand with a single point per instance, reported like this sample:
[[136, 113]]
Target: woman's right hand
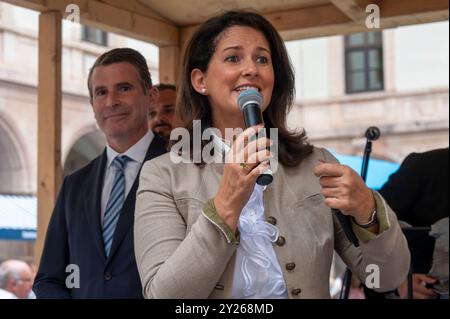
[[238, 182]]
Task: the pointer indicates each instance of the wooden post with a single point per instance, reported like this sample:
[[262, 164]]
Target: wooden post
[[169, 64], [49, 121]]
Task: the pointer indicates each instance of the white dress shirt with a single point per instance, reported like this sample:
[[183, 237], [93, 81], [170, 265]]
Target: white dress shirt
[[136, 154], [257, 272], [4, 294]]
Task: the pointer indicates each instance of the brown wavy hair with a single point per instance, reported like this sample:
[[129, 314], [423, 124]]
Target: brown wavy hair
[[191, 105]]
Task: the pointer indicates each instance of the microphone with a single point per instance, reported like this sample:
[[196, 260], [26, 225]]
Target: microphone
[[373, 133], [346, 224], [249, 102]]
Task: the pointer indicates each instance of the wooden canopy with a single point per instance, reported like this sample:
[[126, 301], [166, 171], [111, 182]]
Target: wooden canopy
[[169, 24]]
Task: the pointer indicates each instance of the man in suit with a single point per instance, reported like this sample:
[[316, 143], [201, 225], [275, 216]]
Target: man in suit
[[89, 250], [418, 191], [418, 194]]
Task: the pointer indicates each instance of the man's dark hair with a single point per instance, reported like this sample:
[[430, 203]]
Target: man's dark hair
[[123, 55], [166, 86]]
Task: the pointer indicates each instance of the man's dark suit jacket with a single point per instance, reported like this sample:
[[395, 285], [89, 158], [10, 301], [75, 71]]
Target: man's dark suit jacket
[[74, 236], [418, 191]]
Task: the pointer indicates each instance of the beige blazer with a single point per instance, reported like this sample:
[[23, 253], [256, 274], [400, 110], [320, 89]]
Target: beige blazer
[[180, 253]]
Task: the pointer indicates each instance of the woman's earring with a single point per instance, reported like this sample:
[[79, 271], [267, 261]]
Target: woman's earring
[[203, 90]]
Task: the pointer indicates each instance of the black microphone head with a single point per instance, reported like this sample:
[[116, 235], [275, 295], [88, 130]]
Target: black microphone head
[[249, 97], [373, 133]]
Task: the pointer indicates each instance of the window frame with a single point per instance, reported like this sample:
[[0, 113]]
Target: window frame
[[87, 37], [365, 47]]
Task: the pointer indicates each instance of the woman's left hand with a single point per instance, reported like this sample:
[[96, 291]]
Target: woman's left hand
[[345, 190]]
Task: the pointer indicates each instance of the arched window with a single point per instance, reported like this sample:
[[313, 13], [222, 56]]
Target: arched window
[[85, 149]]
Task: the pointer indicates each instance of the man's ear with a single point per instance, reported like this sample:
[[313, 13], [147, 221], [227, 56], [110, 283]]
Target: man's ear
[[153, 95], [198, 81], [11, 284]]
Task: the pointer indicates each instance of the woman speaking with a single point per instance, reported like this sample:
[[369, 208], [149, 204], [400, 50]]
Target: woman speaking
[[205, 229]]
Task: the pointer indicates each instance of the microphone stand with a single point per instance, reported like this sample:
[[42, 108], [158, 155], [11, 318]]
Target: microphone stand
[[365, 162], [372, 134]]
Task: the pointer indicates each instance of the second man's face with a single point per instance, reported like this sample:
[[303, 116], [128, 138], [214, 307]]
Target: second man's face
[[119, 101], [161, 113]]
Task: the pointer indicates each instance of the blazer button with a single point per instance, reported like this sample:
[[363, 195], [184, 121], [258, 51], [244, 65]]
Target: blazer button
[[107, 275], [271, 220], [296, 291], [290, 266], [280, 241]]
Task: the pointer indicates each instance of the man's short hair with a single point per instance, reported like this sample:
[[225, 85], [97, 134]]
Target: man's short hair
[[166, 86], [7, 271], [123, 55]]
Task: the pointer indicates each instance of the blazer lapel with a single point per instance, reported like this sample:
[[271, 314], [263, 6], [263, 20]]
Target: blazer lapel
[[126, 220], [93, 197]]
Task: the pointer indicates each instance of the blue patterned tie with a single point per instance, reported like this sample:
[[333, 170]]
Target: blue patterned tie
[[115, 203]]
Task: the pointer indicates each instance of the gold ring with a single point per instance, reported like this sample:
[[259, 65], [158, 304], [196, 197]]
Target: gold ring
[[243, 165]]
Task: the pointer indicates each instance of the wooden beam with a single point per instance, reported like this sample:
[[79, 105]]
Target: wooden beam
[[112, 17], [186, 34], [156, 32], [32, 5], [335, 17], [327, 20], [397, 8], [169, 64], [351, 8], [304, 18], [49, 121], [136, 6], [297, 23]]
